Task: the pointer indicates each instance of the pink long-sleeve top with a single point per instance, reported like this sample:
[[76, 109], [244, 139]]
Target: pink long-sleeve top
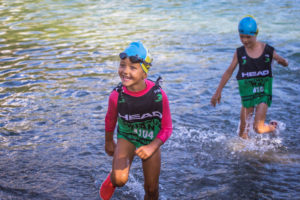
[[112, 112]]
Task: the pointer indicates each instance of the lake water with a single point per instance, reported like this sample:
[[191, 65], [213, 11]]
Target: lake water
[[58, 65]]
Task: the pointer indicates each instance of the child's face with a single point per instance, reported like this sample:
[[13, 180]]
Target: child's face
[[248, 40], [132, 75]]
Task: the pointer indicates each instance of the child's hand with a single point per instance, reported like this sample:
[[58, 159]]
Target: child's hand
[[215, 99], [283, 62], [145, 152], [110, 147]]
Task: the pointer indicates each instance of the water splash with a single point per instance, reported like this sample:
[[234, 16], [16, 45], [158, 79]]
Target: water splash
[[185, 136], [134, 187], [265, 147]]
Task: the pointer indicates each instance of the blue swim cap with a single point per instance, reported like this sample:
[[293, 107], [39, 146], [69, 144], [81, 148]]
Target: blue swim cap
[[139, 50], [248, 26]]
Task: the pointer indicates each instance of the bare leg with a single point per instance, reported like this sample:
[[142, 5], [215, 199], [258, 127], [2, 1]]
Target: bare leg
[[259, 120], [122, 160], [151, 168], [245, 116]]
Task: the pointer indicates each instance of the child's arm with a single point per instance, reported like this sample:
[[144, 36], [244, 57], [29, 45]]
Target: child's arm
[[166, 121], [109, 143], [226, 76], [280, 59], [110, 123]]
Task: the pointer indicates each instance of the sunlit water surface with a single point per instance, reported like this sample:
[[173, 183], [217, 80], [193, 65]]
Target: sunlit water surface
[[59, 63]]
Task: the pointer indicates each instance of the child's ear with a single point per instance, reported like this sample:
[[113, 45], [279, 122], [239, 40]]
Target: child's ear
[[145, 75]]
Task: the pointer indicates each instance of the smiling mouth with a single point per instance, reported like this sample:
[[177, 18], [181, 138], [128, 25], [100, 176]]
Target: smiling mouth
[[126, 78]]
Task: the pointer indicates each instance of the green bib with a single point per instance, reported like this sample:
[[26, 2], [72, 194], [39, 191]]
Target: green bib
[[254, 91]]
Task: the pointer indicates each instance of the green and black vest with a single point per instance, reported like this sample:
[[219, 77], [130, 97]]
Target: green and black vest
[[139, 118], [255, 77]]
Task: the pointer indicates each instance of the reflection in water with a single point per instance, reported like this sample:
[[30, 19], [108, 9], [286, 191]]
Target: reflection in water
[[58, 65]]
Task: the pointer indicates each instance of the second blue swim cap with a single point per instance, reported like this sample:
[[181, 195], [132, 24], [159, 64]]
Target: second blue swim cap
[[248, 26]]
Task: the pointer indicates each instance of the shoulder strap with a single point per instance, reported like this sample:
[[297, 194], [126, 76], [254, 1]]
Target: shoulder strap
[[158, 82], [269, 49], [241, 54], [119, 88]]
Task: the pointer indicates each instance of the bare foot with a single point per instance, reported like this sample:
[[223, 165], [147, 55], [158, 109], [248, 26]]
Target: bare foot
[[274, 124], [244, 136]]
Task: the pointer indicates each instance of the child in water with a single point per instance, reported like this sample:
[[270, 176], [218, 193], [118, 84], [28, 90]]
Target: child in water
[[254, 78], [142, 111]]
